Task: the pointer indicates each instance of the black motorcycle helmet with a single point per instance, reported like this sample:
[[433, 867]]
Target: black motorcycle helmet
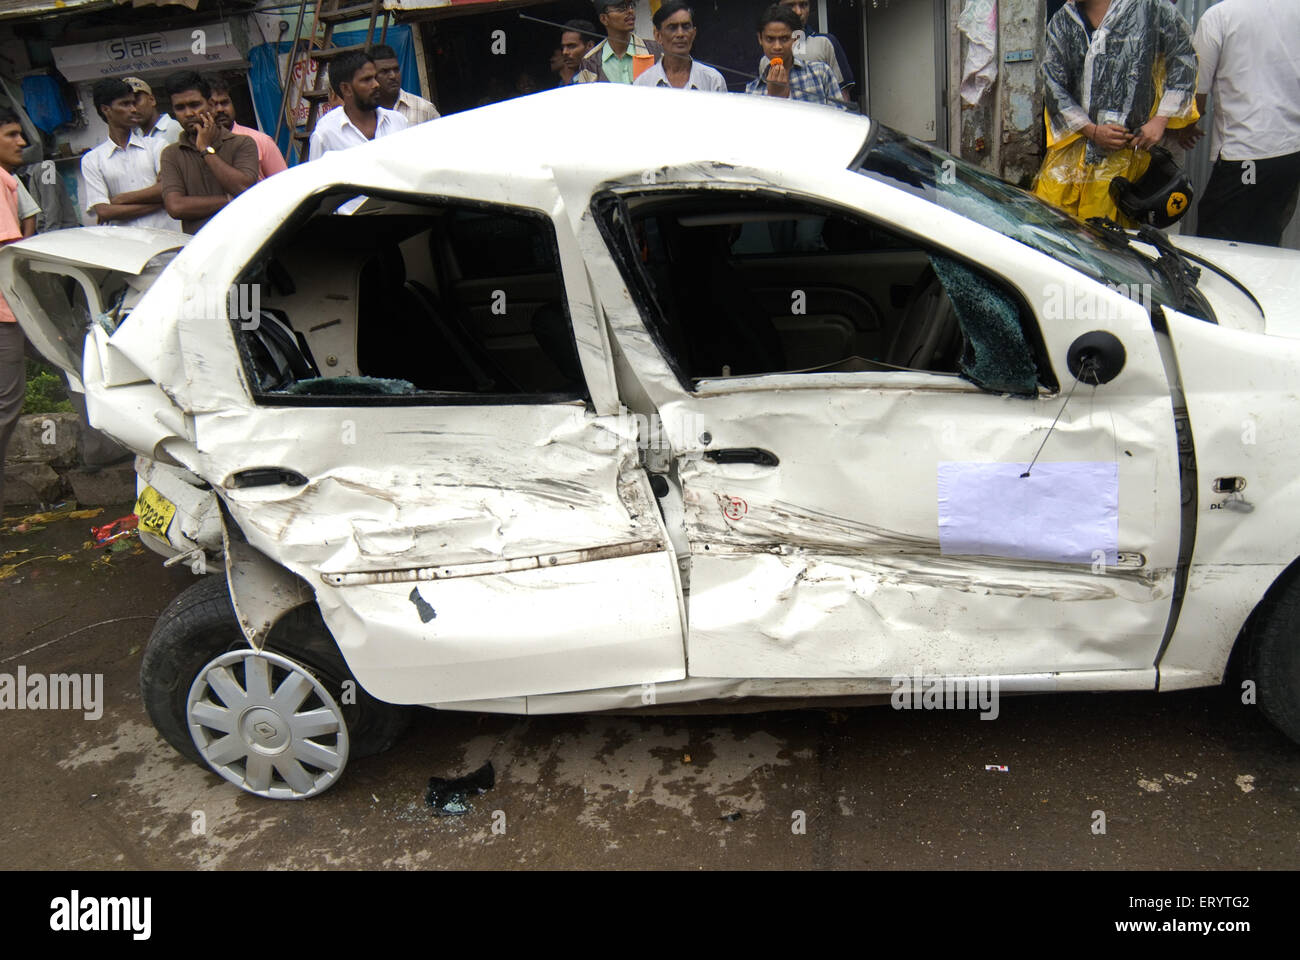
[[1160, 197]]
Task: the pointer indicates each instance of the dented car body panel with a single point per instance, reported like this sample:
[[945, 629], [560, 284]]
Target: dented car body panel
[[565, 520]]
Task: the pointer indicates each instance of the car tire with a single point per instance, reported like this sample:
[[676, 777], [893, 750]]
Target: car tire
[[200, 625], [1273, 657]]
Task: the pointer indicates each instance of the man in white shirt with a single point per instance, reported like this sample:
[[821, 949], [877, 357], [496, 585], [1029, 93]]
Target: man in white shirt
[[675, 32], [121, 174], [1249, 53], [360, 118], [153, 125], [388, 70]]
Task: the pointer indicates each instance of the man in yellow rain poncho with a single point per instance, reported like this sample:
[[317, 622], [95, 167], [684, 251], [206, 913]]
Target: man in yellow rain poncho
[[1118, 74]]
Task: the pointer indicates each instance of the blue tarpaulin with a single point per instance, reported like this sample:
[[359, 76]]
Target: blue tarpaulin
[[264, 72], [44, 103]]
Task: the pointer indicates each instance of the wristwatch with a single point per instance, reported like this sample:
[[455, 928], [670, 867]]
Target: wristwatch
[[211, 150]]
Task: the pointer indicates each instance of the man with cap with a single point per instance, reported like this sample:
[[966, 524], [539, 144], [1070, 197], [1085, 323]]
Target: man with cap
[[621, 57], [153, 125]]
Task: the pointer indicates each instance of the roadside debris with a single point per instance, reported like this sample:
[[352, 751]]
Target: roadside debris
[[7, 570], [448, 797], [999, 767], [121, 527], [730, 817], [34, 521]]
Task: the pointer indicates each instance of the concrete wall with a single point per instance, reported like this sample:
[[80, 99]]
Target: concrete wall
[[1004, 132]]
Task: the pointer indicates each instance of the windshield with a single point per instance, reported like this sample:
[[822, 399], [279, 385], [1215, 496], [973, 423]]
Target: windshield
[[955, 185]]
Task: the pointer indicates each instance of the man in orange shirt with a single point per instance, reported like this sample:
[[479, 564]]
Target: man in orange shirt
[[13, 367]]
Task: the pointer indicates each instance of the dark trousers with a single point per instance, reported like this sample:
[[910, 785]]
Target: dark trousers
[[13, 387], [1250, 201]]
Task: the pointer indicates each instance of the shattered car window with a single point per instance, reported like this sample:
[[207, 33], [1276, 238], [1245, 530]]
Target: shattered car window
[[402, 299], [996, 356], [917, 168], [747, 286]]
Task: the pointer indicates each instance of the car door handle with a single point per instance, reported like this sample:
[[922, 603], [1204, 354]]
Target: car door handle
[[266, 477], [764, 458]]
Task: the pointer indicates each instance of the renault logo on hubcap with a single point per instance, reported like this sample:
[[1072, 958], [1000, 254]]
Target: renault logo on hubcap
[[264, 730]]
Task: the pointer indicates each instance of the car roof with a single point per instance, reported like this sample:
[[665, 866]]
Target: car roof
[[601, 131]]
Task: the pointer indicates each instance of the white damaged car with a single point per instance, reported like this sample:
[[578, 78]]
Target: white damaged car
[[471, 419]]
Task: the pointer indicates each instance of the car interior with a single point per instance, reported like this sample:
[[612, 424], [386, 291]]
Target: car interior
[[381, 297], [748, 284], [370, 297]]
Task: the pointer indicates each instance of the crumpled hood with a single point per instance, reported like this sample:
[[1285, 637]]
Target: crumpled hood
[[1271, 274]]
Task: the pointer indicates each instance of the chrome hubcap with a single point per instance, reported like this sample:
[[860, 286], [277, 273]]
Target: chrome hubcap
[[267, 725]]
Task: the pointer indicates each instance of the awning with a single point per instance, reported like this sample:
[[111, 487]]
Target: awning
[[453, 8], [38, 9], [188, 4], [34, 9]]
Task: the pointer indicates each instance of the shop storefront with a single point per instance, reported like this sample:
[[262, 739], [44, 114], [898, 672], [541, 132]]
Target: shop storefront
[[209, 47]]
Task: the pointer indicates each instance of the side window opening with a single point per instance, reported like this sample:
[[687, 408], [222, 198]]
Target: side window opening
[[439, 302], [750, 286]]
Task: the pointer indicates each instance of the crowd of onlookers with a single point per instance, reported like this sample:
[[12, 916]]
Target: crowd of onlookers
[[1121, 77], [176, 171]]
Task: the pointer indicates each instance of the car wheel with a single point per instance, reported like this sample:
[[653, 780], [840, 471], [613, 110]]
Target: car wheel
[[1273, 658], [280, 723]]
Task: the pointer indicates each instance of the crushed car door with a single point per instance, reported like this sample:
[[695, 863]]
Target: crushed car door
[[75, 293], [854, 507], [428, 435]]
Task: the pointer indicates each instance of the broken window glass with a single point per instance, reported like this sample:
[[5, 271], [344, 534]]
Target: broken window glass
[[747, 286], [995, 356], [407, 297]]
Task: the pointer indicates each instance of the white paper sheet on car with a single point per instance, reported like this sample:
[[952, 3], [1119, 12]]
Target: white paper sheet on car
[[1061, 512]]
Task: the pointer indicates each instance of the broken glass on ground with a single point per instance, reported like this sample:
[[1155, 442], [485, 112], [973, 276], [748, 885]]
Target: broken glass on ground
[[448, 798]]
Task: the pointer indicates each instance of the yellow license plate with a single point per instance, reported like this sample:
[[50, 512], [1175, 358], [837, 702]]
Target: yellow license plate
[[155, 512]]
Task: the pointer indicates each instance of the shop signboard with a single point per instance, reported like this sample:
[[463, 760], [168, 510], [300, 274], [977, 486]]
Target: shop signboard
[[196, 48]]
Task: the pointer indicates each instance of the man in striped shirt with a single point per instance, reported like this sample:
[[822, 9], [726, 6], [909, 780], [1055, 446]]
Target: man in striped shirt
[[786, 75], [388, 70]]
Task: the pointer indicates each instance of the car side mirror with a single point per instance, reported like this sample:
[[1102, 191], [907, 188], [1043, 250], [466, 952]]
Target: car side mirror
[[1096, 357]]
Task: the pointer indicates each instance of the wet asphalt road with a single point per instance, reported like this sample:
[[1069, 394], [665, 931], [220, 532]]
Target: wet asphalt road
[[1188, 780]]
